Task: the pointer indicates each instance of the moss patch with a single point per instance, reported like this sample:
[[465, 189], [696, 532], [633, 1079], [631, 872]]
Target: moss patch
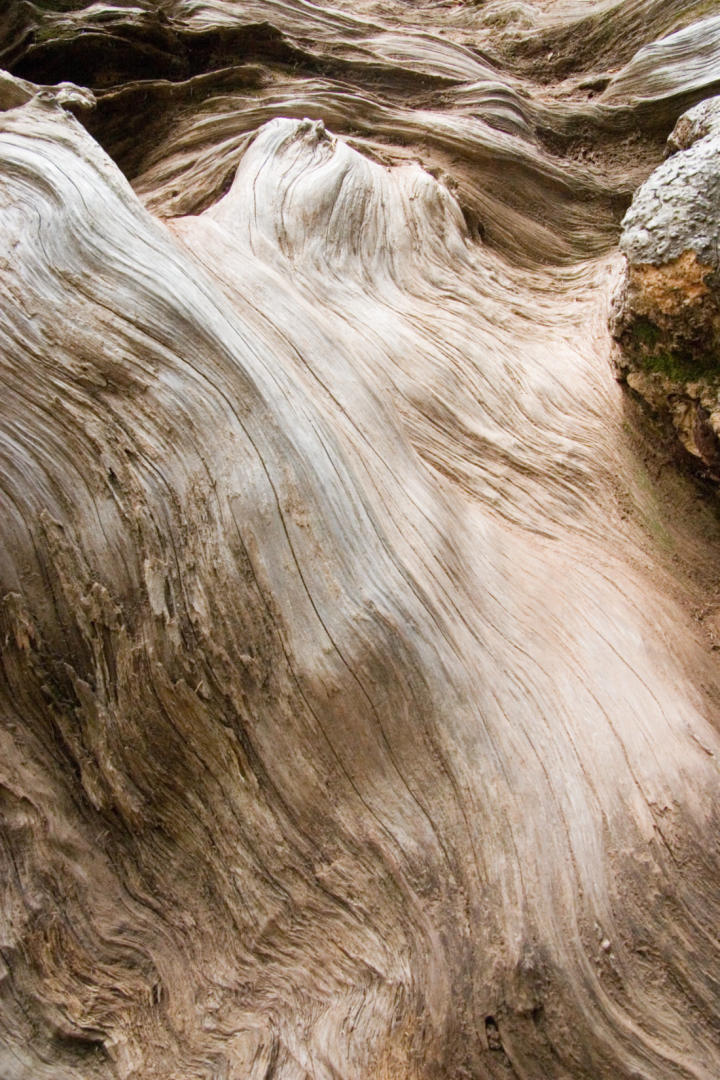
[[645, 333], [681, 366], [651, 351]]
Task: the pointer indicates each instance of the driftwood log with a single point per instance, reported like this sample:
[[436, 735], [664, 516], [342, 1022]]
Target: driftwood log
[[358, 688]]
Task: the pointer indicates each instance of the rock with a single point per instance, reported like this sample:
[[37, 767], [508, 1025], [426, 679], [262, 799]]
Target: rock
[[697, 123], [666, 313]]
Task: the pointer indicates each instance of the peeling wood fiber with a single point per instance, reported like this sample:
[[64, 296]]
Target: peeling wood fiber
[[350, 729]]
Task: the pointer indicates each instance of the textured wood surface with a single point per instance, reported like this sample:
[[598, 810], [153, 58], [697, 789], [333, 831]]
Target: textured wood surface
[[355, 724]]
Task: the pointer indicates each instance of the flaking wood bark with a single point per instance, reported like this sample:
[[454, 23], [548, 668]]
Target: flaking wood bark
[[353, 721]]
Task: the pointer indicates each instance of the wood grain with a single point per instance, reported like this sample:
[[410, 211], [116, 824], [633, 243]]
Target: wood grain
[[355, 723]]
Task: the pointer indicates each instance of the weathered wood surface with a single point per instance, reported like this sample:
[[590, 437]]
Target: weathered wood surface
[[355, 724]]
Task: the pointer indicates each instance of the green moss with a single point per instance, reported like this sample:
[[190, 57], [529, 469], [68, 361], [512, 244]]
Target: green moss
[[52, 32], [680, 366], [645, 332]]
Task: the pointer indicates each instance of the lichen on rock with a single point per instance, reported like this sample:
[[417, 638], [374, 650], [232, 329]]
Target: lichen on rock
[[666, 312]]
